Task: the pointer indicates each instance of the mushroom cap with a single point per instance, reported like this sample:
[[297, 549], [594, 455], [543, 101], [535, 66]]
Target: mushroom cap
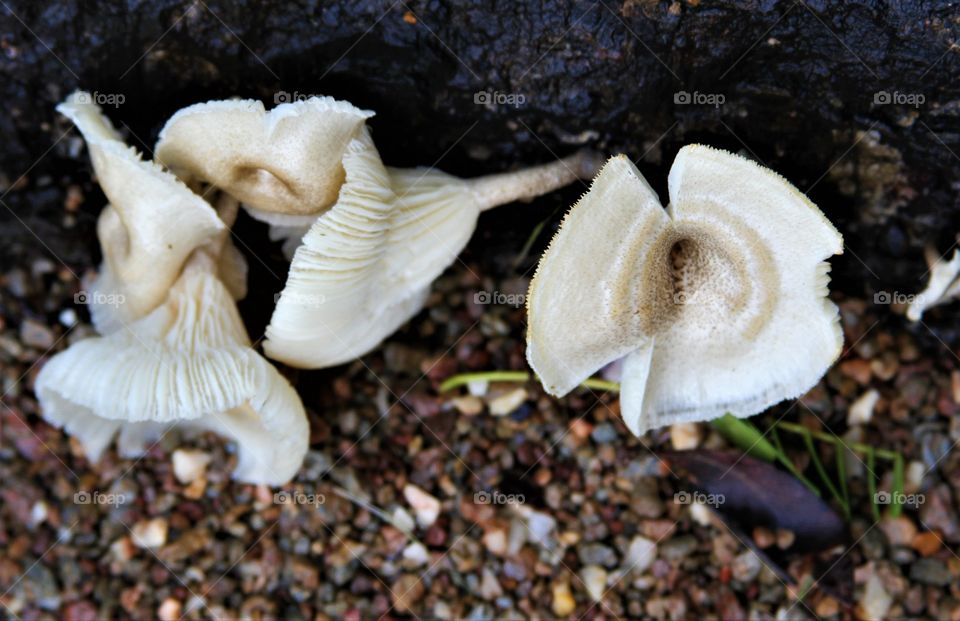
[[718, 304], [365, 266], [286, 160], [189, 360], [148, 230], [943, 285]]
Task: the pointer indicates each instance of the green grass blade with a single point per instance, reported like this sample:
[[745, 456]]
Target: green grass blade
[[743, 434], [872, 483]]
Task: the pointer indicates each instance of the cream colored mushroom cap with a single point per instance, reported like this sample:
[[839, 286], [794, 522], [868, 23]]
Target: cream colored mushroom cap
[[943, 285], [188, 361], [718, 304], [149, 229], [365, 266], [286, 160]]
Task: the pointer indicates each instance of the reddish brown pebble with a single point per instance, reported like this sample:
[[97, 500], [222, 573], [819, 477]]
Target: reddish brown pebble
[[926, 543]]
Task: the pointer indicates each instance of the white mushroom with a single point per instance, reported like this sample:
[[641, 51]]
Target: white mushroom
[[148, 230], [189, 361], [365, 241], [943, 286], [717, 304], [366, 265], [286, 161]]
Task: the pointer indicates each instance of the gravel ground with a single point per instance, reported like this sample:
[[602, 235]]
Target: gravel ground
[[501, 504]]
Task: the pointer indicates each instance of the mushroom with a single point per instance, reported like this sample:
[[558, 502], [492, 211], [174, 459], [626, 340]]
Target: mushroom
[[365, 266], [152, 224], [943, 286], [188, 361], [717, 304], [365, 241], [285, 162]]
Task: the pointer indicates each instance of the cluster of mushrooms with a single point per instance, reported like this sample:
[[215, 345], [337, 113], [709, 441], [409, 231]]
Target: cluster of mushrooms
[[716, 304]]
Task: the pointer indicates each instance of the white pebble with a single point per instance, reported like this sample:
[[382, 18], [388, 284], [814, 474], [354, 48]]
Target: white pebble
[[595, 579], [150, 533], [861, 410], [189, 465], [507, 402], [641, 554], [685, 436], [416, 553], [425, 507], [876, 602]]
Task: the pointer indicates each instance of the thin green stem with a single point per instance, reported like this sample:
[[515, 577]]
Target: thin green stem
[[898, 487], [818, 465], [841, 457], [788, 464], [872, 484], [517, 377], [826, 437]]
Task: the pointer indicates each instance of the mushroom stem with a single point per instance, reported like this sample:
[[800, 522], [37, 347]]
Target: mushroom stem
[[501, 188]]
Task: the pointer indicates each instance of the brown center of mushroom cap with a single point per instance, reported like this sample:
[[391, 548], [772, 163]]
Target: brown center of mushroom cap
[[706, 280]]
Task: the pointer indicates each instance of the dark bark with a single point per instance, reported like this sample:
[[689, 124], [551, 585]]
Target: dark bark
[[798, 82]]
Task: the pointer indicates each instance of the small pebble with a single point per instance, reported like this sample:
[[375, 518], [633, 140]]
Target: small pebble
[[189, 465], [67, 317], [701, 514], [426, 508], [170, 610], [417, 554], [595, 580], [495, 541], [900, 531], [685, 436], [875, 602], [505, 403], [746, 566], [861, 410], [913, 477], [926, 543], [827, 607], [604, 433], [468, 405], [406, 592], [763, 537], [122, 549], [678, 548], [597, 554], [930, 571], [785, 538], [489, 585], [641, 554], [150, 533], [35, 334], [563, 602]]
